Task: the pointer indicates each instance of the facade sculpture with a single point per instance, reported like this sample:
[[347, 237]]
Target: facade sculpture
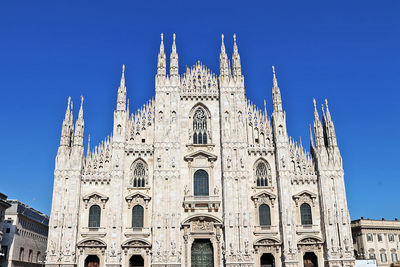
[[199, 176]]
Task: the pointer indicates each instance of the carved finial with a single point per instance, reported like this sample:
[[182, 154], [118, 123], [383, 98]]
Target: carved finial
[[311, 137], [174, 36], [328, 113], [123, 68], [234, 37], [275, 81], [162, 37], [82, 100], [88, 148]]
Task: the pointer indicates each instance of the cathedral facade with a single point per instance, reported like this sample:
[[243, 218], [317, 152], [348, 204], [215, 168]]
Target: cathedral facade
[[198, 177]]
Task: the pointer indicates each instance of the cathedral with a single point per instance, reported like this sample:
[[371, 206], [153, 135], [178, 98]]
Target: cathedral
[[198, 177]]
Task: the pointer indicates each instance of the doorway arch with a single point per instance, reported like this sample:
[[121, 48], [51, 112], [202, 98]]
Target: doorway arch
[[310, 259], [202, 253], [267, 260], [136, 261], [92, 261]]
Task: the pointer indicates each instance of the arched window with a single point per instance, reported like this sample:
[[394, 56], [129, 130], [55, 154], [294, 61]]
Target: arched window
[[264, 214], [261, 174], [139, 174], [199, 127], [200, 183], [306, 216], [137, 216], [94, 216]]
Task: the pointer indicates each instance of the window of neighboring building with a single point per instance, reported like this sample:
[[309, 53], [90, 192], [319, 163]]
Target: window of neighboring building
[[370, 238], [7, 230], [380, 237], [383, 257], [94, 216], [394, 257], [199, 127], [137, 216], [3, 251], [30, 255], [38, 257], [201, 183], [264, 215], [372, 255], [261, 174], [306, 216], [21, 254], [391, 237]]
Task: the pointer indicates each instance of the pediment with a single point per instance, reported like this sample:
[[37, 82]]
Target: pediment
[[92, 243], [200, 154], [305, 192], [137, 194], [202, 218], [267, 241], [95, 195], [264, 194], [310, 240], [137, 198], [136, 243]]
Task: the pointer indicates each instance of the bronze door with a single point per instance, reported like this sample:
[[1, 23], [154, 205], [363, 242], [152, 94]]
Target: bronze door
[[202, 254]]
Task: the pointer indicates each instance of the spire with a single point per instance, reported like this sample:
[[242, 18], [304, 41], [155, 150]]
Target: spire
[[237, 68], [121, 98], [276, 93], [223, 60], [67, 126], [88, 148], [174, 63], [311, 138], [318, 131], [265, 109], [329, 127], [161, 65], [79, 125]]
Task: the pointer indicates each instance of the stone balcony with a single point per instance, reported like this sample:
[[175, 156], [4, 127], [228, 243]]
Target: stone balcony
[[210, 203]]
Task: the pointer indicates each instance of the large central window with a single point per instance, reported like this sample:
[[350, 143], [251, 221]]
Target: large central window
[[201, 183], [199, 127]]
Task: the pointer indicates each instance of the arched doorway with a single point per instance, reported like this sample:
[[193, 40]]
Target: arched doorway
[[92, 261], [202, 253], [310, 259], [136, 261], [267, 260]]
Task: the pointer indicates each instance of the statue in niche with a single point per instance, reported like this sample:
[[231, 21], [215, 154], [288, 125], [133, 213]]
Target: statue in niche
[[216, 190], [67, 246], [186, 190], [173, 247]]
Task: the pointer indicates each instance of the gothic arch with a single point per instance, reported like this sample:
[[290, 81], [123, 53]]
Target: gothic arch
[[200, 125], [139, 173], [262, 172]]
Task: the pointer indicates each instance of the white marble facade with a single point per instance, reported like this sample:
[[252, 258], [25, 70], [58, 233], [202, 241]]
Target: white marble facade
[[199, 176]]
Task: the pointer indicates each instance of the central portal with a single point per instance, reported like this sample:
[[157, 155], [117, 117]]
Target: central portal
[[202, 253]]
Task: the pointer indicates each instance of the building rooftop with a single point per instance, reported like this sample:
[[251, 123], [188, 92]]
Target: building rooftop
[[376, 224], [17, 207]]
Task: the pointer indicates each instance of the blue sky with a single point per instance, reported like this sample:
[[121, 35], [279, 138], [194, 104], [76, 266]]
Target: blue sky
[[346, 51]]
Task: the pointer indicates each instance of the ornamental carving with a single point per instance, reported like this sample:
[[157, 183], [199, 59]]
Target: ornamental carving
[[202, 226], [95, 198], [92, 243], [263, 197], [305, 197], [137, 198]]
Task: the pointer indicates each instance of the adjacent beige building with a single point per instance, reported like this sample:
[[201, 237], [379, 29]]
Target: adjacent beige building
[[199, 176], [25, 236], [377, 239]]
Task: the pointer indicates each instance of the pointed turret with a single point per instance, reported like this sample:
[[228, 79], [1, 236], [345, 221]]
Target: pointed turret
[[329, 127], [67, 126], [88, 148], [121, 98], [276, 94], [318, 131], [79, 127], [237, 68], [174, 63], [223, 60], [161, 64]]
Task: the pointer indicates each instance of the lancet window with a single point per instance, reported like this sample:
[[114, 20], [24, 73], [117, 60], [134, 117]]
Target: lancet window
[[200, 127], [262, 174], [94, 216], [264, 214], [137, 216], [139, 174], [306, 215]]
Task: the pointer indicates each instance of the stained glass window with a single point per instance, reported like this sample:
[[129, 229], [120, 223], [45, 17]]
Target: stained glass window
[[199, 127], [306, 216], [200, 183], [264, 215], [139, 175], [137, 216], [94, 216], [261, 174]]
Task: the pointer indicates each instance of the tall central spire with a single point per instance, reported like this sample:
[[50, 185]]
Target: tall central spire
[[276, 93], [174, 64], [223, 60], [161, 65], [121, 98], [237, 68]]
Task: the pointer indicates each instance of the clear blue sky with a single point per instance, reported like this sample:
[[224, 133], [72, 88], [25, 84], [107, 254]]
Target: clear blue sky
[[346, 51]]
